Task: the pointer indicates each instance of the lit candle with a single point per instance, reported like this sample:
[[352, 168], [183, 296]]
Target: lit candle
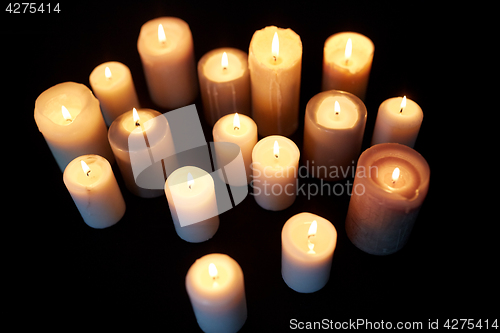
[[242, 131], [69, 117], [307, 245], [216, 290], [275, 60], [275, 161], [140, 139], [347, 61], [190, 193], [391, 183], [93, 187], [333, 132], [113, 85], [165, 45], [398, 120], [224, 83]]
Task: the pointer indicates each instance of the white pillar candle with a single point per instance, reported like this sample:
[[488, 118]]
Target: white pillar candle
[[333, 132], [242, 131], [398, 120], [307, 245], [275, 161], [275, 68], [113, 85], [224, 83], [216, 290], [69, 117], [347, 61], [190, 193], [391, 183], [139, 142], [165, 45], [93, 187]]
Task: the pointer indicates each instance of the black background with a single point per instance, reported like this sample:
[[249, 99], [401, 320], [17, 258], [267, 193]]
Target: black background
[[63, 271]]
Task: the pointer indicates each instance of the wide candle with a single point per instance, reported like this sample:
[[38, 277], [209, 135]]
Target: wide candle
[[347, 61], [216, 290], [113, 85], [307, 245], [333, 132], [390, 186], [224, 83], [69, 117], [275, 161], [93, 187], [398, 120], [165, 45], [275, 61], [190, 193], [242, 131]]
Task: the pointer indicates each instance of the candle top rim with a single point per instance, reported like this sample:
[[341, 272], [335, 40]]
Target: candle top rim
[[220, 135], [282, 140], [74, 168], [97, 77], [149, 35], [231, 53], [391, 107]]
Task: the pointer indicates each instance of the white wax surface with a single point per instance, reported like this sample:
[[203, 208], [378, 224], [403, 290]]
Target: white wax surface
[[346, 118]]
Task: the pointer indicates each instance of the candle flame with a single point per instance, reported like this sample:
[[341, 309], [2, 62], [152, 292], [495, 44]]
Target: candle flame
[[312, 229], [395, 175], [107, 73], [161, 34], [224, 62], [65, 113], [276, 149], [236, 121], [212, 271], [403, 104], [348, 49], [275, 48], [135, 115], [85, 167], [190, 180], [337, 107]]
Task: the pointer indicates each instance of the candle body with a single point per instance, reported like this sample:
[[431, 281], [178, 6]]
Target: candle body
[[303, 269], [84, 134], [381, 212], [169, 67], [141, 148], [194, 209], [116, 94], [96, 195], [275, 83], [332, 142], [351, 76], [394, 125], [275, 179], [245, 137], [218, 304], [224, 90]]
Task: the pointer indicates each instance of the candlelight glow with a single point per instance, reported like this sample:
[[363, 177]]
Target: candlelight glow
[[65, 113], [395, 175], [275, 46], [348, 49], [312, 229], [85, 167], [403, 104], [236, 121], [190, 180], [223, 62], [161, 34], [337, 107], [212, 270], [107, 73], [276, 149], [136, 117]]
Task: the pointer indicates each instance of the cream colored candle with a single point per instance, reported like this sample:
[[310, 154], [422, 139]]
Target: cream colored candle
[[398, 120], [93, 187], [307, 245], [165, 45], [333, 132], [216, 290], [347, 61], [69, 117], [190, 193], [139, 142], [275, 61], [224, 83], [391, 183], [275, 161], [242, 131], [113, 85]]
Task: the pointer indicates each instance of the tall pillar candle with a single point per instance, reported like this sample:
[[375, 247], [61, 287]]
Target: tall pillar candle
[[275, 161], [165, 46], [93, 187], [347, 62], [391, 184], [333, 132], [398, 120], [224, 83], [113, 85], [190, 193], [275, 62], [307, 245], [216, 290], [69, 117]]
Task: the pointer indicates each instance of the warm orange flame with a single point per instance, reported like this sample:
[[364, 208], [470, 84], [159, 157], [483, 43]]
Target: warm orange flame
[[236, 121], [403, 103], [65, 113], [276, 149], [348, 49], [161, 34], [135, 115], [395, 175], [337, 107], [85, 167], [224, 62], [275, 47], [190, 180], [312, 229], [212, 271], [107, 73]]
